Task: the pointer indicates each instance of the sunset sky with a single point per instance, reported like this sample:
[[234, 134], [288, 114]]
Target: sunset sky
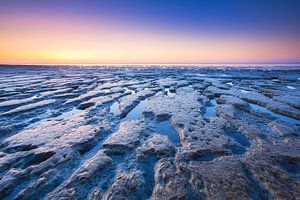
[[149, 31]]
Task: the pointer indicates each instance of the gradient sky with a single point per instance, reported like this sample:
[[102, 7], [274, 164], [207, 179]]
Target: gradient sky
[[149, 31]]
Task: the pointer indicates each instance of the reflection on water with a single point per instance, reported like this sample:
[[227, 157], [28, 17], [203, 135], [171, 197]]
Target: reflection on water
[[166, 128], [240, 138], [210, 110], [169, 93], [241, 143], [137, 112], [114, 108], [127, 90], [277, 116]]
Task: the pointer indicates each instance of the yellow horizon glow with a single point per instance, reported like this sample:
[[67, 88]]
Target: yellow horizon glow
[[36, 41]]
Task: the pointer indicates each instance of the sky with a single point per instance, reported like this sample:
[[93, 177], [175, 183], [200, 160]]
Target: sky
[[149, 31]]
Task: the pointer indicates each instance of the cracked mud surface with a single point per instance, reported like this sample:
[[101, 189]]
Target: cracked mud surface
[[99, 133]]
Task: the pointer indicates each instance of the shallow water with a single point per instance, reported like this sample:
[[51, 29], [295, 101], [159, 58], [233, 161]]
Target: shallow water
[[240, 138], [210, 110], [170, 94], [137, 112], [114, 108], [237, 149], [127, 90], [275, 115], [166, 128]]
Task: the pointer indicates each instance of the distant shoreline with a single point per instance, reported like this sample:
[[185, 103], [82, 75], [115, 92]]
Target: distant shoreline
[[278, 66]]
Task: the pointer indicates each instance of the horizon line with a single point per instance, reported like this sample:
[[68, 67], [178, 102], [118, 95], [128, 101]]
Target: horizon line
[[101, 64]]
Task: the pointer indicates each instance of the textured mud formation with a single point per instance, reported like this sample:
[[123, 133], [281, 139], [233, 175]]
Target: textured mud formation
[[149, 133]]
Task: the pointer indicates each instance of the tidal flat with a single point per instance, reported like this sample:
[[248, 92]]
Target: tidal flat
[[149, 133]]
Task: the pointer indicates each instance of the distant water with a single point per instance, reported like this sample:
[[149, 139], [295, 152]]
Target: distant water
[[265, 66]]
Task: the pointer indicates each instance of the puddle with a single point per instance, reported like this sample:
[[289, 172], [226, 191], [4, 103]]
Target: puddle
[[245, 91], [170, 94], [239, 138], [291, 87], [91, 152], [159, 93], [237, 149], [166, 128], [55, 116], [210, 110], [277, 116], [127, 90], [229, 83], [114, 108], [239, 142], [137, 112], [68, 114]]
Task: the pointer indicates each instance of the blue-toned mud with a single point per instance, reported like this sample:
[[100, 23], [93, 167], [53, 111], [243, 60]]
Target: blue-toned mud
[[206, 157], [291, 166]]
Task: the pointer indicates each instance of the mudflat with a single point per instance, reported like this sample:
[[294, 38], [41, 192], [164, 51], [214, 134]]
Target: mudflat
[[149, 133]]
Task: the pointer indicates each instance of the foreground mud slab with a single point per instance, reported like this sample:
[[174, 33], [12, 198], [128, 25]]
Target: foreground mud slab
[[149, 133]]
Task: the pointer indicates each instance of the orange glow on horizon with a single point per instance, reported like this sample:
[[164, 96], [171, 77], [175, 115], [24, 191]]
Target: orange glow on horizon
[[49, 41]]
